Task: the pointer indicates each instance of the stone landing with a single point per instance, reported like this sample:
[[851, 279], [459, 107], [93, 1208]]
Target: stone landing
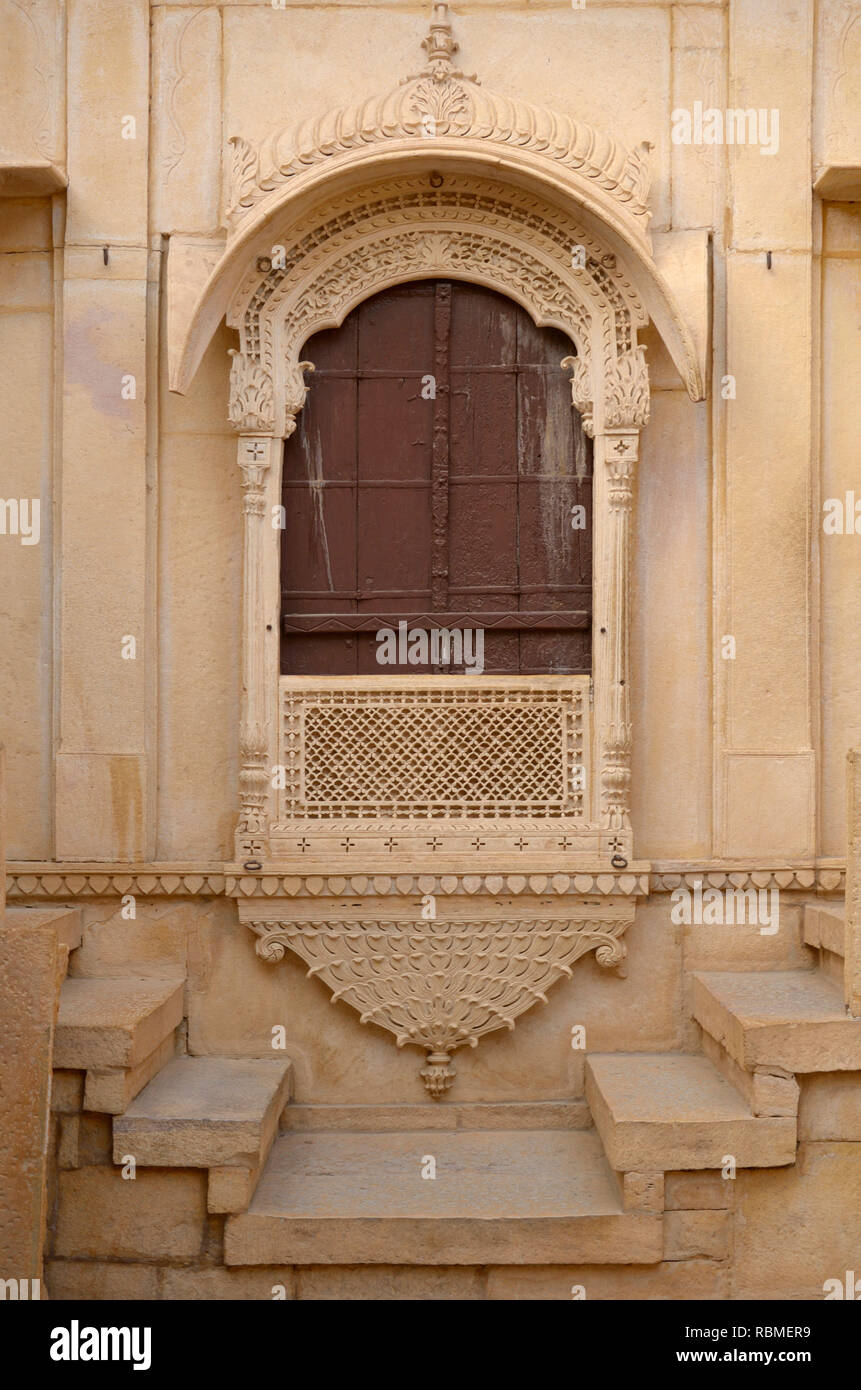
[[502, 1196]]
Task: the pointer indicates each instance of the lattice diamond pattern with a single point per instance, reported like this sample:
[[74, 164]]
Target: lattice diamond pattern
[[452, 751]]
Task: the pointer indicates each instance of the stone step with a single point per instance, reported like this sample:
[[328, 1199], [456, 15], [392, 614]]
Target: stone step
[[793, 1019], [67, 921], [219, 1113], [498, 1197], [115, 1022], [119, 1031], [672, 1111], [825, 929]]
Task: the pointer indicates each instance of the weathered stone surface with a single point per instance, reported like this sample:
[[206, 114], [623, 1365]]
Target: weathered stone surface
[[86, 1281], [812, 1209], [550, 1114], [67, 1148], [824, 928], [31, 966], [767, 1090], [109, 1089], [830, 1106], [273, 1284], [852, 934], [231, 1189], [683, 1279], [67, 1091], [66, 921], [740, 945], [698, 1191], [643, 1191], [154, 943], [95, 1139], [327, 1199], [673, 1110], [390, 1283], [114, 1023], [154, 1216], [689, 1235], [792, 1019]]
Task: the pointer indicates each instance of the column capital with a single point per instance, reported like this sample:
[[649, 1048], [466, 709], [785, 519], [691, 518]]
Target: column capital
[[626, 391]]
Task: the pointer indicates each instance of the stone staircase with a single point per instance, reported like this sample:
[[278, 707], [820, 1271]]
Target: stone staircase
[[259, 1192]]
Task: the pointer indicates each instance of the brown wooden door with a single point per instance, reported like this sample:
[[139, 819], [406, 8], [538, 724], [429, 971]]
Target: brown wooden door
[[433, 478]]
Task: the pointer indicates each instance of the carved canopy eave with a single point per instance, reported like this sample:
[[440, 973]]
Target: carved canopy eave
[[478, 149]]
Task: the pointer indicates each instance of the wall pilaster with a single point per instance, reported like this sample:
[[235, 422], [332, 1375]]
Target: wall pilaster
[[764, 673], [103, 723]]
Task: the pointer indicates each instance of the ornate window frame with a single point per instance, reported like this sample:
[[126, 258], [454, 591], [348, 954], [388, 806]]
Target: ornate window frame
[[439, 177]]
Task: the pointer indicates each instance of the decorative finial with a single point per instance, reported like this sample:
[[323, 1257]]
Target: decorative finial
[[439, 45]]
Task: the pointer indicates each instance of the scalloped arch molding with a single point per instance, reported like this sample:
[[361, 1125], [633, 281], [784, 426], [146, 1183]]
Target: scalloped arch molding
[[439, 176]]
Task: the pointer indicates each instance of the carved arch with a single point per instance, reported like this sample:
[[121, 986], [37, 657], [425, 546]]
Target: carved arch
[[470, 229]]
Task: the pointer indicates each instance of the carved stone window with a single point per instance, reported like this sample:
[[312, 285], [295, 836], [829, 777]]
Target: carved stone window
[[439, 179]]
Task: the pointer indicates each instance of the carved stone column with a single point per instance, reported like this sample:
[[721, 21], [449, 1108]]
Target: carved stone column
[[616, 452], [256, 454], [620, 408]]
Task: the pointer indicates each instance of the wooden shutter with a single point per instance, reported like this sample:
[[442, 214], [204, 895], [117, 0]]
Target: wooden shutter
[[432, 479]]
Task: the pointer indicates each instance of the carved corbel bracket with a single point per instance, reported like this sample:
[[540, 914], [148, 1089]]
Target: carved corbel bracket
[[441, 985], [252, 397], [626, 391], [582, 391], [295, 390]]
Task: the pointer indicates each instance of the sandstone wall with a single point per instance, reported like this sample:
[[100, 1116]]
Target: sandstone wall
[[113, 759]]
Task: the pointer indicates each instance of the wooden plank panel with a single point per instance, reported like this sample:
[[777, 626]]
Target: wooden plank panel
[[318, 447], [394, 548], [483, 424], [395, 429], [483, 328], [460, 504], [483, 539], [395, 330]]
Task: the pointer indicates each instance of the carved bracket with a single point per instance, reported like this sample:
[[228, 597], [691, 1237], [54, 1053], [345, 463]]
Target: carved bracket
[[441, 985]]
